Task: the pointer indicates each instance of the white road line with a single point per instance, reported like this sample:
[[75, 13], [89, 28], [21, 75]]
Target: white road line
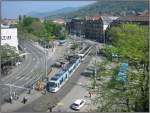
[[27, 78], [22, 77], [18, 77]]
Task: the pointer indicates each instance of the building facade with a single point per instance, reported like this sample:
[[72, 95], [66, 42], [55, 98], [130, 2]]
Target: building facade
[[9, 36], [93, 28], [9, 21], [75, 26], [142, 19]]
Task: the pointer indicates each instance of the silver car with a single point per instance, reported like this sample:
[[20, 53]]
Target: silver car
[[78, 104]]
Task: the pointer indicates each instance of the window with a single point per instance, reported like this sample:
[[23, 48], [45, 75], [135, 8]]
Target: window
[[70, 71], [61, 81], [82, 102], [73, 66], [66, 76], [52, 84], [58, 85]]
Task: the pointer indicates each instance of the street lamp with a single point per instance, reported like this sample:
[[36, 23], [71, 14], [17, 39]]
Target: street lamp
[[45, 59], [45, 63], [45, 52], [95, 70]]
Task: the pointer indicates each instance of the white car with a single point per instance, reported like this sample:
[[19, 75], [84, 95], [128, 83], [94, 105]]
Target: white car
[[78, 104]]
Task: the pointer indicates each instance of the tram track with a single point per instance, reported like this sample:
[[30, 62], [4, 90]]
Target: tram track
[[23, 74], [54, 98]]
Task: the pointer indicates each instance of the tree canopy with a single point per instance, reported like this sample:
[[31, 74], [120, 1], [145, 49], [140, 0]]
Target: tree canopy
[[130, 41], [43, 31], [7, 53]]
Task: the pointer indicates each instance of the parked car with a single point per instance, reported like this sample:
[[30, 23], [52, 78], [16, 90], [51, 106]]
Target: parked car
[[78, 104]]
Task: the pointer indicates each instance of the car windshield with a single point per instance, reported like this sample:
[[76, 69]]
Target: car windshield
[[52, 84], [75, 104]]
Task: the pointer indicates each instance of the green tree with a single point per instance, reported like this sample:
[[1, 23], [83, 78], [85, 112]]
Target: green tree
[[37, 28], [41, 32], [28, 20], [130, 42], [54, 29], [8, 53]]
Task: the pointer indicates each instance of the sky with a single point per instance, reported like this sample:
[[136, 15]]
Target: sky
[[11, 9]]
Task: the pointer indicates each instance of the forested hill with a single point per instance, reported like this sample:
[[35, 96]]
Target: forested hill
[[114, 7]]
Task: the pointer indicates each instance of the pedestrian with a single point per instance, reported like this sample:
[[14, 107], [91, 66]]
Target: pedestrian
[[90, 94], [10, 99], [50, 108], [24, 100], [17, 97]]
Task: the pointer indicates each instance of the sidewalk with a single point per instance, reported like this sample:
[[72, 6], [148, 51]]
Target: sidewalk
[[16, 104]]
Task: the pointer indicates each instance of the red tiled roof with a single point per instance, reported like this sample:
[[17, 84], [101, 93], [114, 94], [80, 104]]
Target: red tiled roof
[[93, 18], [140, 18]]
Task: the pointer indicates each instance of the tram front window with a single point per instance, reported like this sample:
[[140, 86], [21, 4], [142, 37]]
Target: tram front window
[[52, 84]]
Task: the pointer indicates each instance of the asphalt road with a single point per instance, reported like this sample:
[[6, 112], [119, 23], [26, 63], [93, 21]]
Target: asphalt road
[[42, 103], [30, 70]]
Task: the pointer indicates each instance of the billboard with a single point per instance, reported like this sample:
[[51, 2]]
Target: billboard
[[9, 36]]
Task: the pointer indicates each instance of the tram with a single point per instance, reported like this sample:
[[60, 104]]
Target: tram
[[59, 79], [84, 52]]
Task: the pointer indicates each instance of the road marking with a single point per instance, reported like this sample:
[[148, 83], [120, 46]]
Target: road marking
[[27, 78], [18, 77], [22, 77]]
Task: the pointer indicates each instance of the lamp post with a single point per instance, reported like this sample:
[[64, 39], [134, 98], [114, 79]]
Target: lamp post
[[95, 70], [45, 52], [45, 77], [45, 63]]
